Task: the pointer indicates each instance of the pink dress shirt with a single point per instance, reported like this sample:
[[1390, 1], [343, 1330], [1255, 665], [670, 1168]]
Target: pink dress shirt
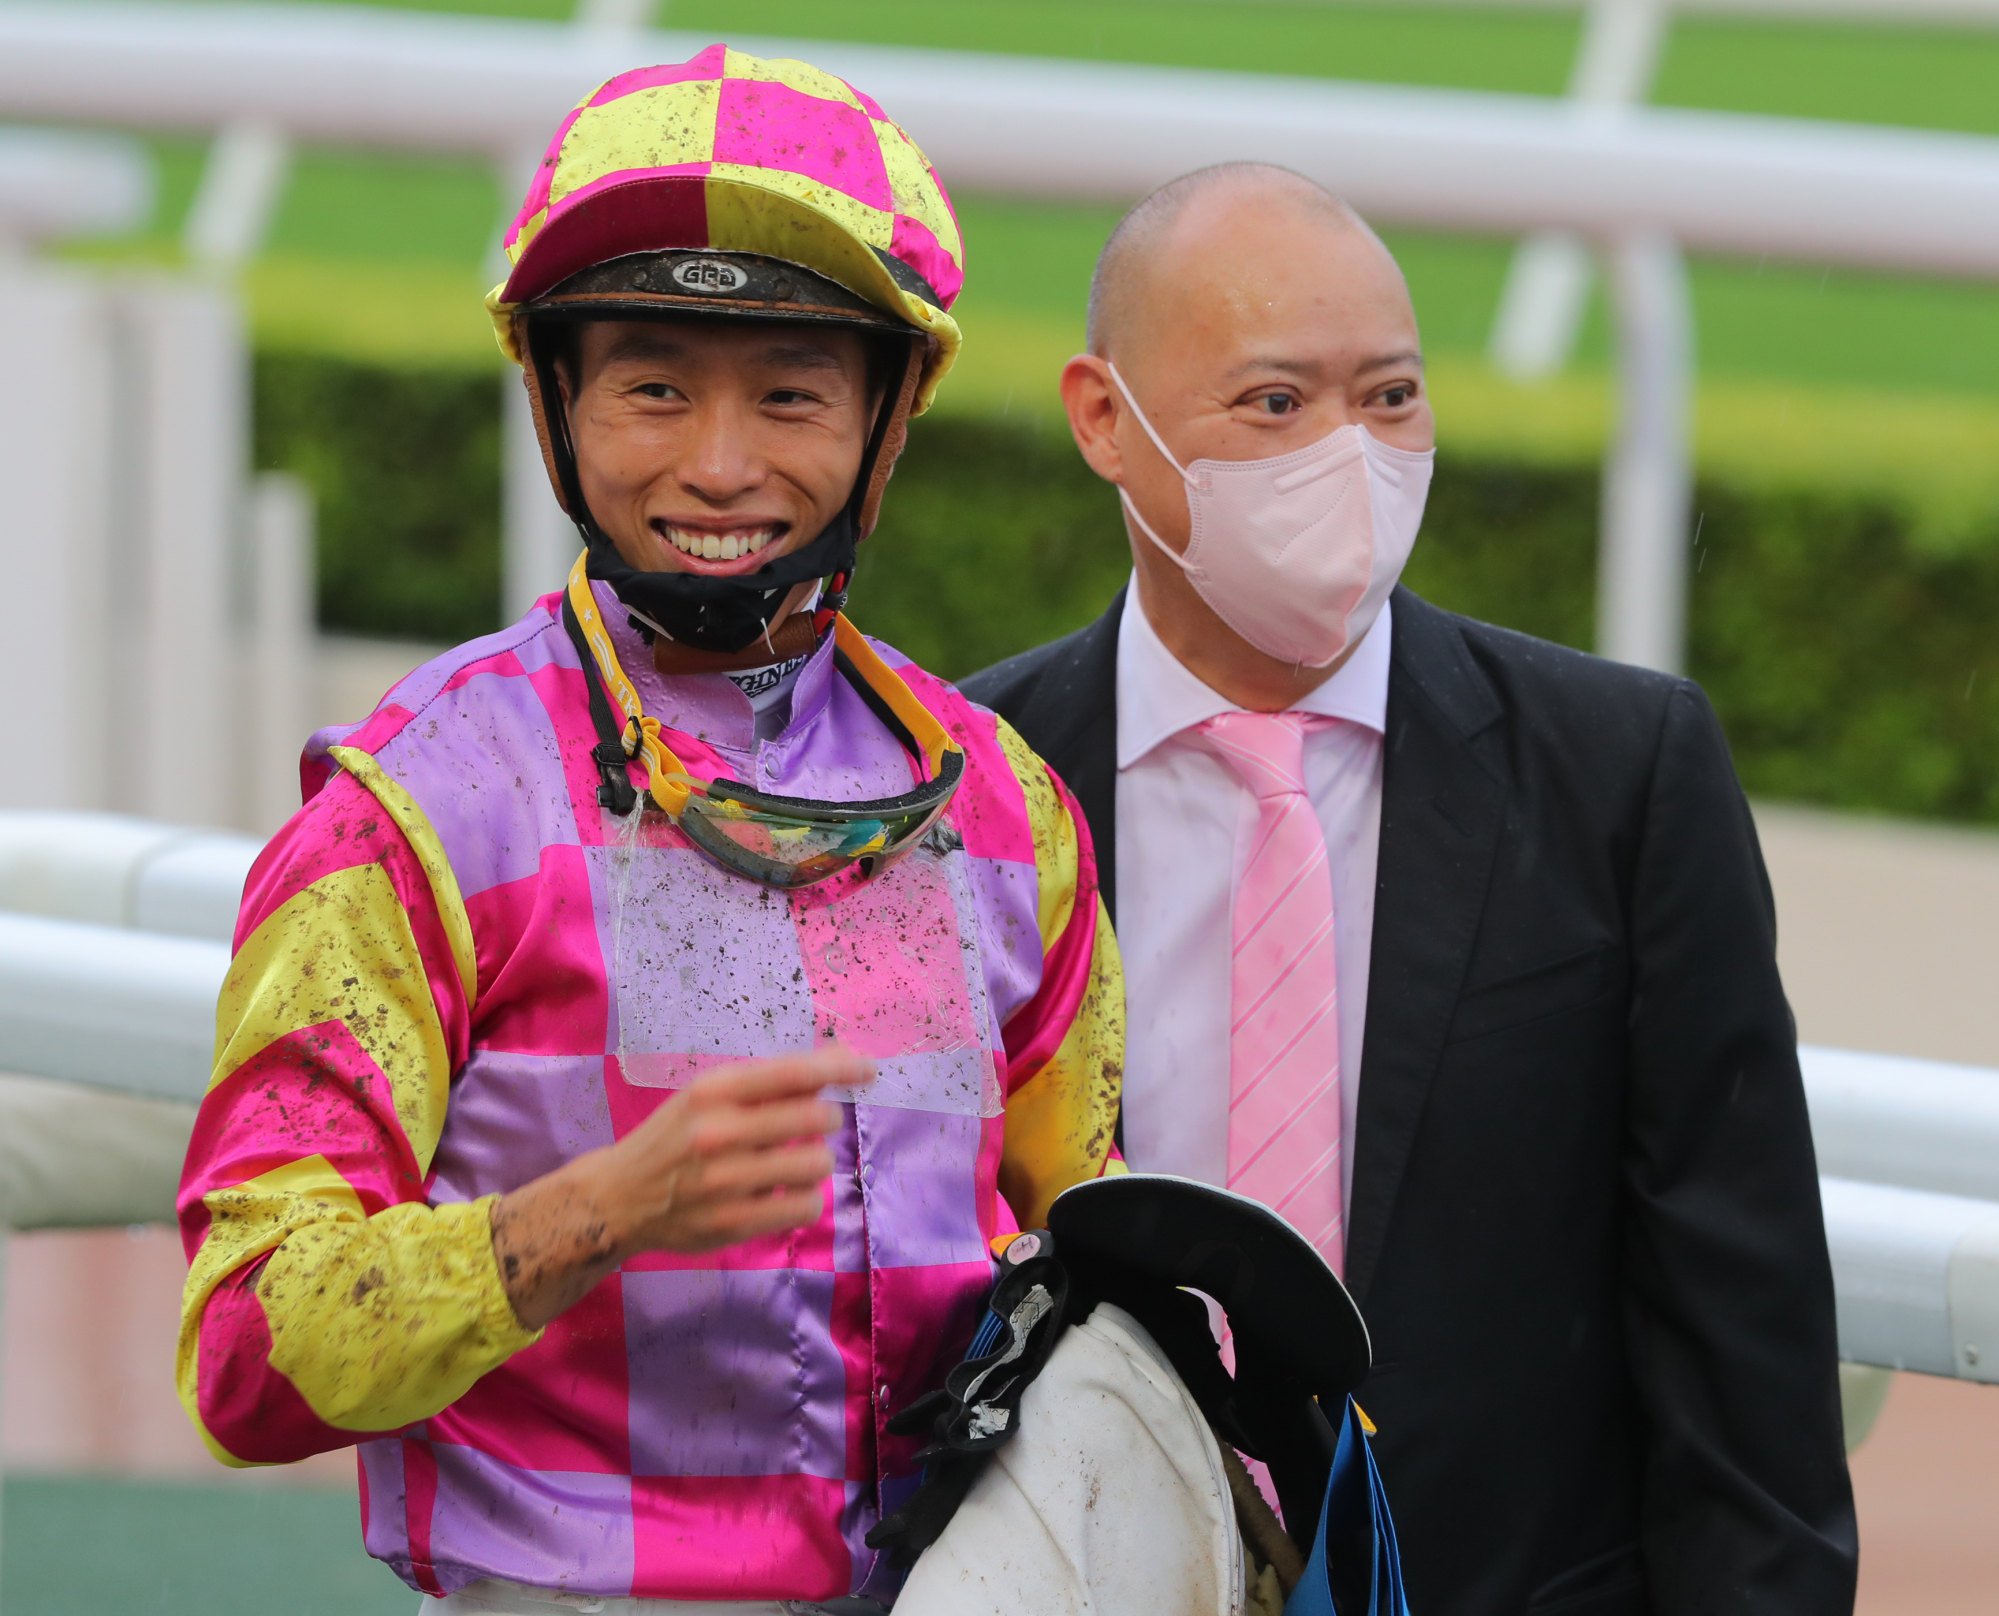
[[1182, 828]]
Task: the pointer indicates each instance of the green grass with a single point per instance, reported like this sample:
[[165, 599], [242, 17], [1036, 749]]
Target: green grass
[[79, 1546], [402, 210], [1925, 78], [1931, 77]]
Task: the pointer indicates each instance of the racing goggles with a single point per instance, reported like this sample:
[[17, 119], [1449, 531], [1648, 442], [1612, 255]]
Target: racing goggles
[[779, 841]]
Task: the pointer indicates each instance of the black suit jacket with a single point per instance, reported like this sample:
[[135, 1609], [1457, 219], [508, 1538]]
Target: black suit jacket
[[1585, 1225]]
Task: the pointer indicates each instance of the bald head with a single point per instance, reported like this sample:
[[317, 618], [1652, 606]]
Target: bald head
[[1185, 205]]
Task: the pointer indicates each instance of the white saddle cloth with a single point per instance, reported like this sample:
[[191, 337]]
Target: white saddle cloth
[[1112, 1498]]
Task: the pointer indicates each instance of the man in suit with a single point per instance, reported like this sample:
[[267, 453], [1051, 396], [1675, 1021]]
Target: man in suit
[[1454, 945]]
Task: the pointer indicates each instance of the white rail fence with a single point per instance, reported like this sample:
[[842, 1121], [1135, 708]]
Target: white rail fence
[[57, 186], [1641, 184]]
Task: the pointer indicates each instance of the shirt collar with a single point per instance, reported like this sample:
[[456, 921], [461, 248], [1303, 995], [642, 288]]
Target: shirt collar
[[1158, 698], [709, 706]]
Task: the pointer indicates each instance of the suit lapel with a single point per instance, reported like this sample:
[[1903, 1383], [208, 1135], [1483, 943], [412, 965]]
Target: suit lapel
[[1072, 714], [1443, 799]]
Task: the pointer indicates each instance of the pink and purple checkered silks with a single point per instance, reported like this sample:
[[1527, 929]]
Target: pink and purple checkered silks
[[741, 154], [424, 1011]]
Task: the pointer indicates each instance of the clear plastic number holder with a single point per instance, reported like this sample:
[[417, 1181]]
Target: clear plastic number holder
[[708, 967]]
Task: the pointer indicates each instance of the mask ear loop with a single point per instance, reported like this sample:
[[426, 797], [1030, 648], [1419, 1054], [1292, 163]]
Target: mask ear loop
[[1158, 442], [1166, 454]]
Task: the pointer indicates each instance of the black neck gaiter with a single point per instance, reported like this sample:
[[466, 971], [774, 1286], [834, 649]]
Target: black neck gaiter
[[721, 614]]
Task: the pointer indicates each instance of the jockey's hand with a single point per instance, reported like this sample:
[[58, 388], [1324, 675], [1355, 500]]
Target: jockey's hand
[[739, 1153]]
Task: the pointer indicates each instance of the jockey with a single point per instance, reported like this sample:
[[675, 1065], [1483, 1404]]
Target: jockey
[[637, 1040]]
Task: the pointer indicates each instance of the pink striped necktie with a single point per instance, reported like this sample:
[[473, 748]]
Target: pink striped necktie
[[1284, 1046]]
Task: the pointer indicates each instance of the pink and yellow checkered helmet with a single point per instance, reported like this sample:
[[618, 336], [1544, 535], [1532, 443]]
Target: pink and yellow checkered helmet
[[734, 154]]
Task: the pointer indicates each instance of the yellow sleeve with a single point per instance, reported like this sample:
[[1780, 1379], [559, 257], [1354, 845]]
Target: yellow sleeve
[[325, 1297], [1065, 1047]]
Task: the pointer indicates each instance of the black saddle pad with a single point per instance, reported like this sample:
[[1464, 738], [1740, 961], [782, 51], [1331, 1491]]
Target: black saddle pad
[[1287, 1308]]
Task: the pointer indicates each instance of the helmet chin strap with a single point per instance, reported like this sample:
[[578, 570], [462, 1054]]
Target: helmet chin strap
[[744, 620]]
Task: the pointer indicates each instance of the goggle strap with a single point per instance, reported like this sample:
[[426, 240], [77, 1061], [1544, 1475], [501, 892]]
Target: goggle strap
[[877, 703], [617, 793], [883, 685]]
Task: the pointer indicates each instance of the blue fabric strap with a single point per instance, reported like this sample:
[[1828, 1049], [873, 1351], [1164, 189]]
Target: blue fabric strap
[[1355, 1568]]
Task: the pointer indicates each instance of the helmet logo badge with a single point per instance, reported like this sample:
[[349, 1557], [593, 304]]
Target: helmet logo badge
[[709, 275]]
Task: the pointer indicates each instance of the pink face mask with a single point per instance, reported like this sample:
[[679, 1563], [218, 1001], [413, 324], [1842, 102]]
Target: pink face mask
[[1297, 553]]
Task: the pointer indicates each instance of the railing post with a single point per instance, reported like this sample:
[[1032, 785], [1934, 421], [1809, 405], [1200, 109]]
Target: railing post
[[57, 464], [1541, 304], [618, 16], [1648, 475], [240, 190], [283, 642], [181, 574]]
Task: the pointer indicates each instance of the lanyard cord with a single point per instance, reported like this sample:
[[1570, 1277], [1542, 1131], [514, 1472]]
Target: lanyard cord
[[617, 793]]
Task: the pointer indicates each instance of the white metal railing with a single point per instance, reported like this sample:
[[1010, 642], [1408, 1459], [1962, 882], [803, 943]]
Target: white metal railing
[[1891, 1120], [1916, 1276], [58, 186], [114, 943], [116, 871], [128, 1011], [114, 938], [1647, 182], [1909, 1171], [1541, 304]]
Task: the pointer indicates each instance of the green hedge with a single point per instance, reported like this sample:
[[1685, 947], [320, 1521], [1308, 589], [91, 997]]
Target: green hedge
[[405, 468], [1851, 665]]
